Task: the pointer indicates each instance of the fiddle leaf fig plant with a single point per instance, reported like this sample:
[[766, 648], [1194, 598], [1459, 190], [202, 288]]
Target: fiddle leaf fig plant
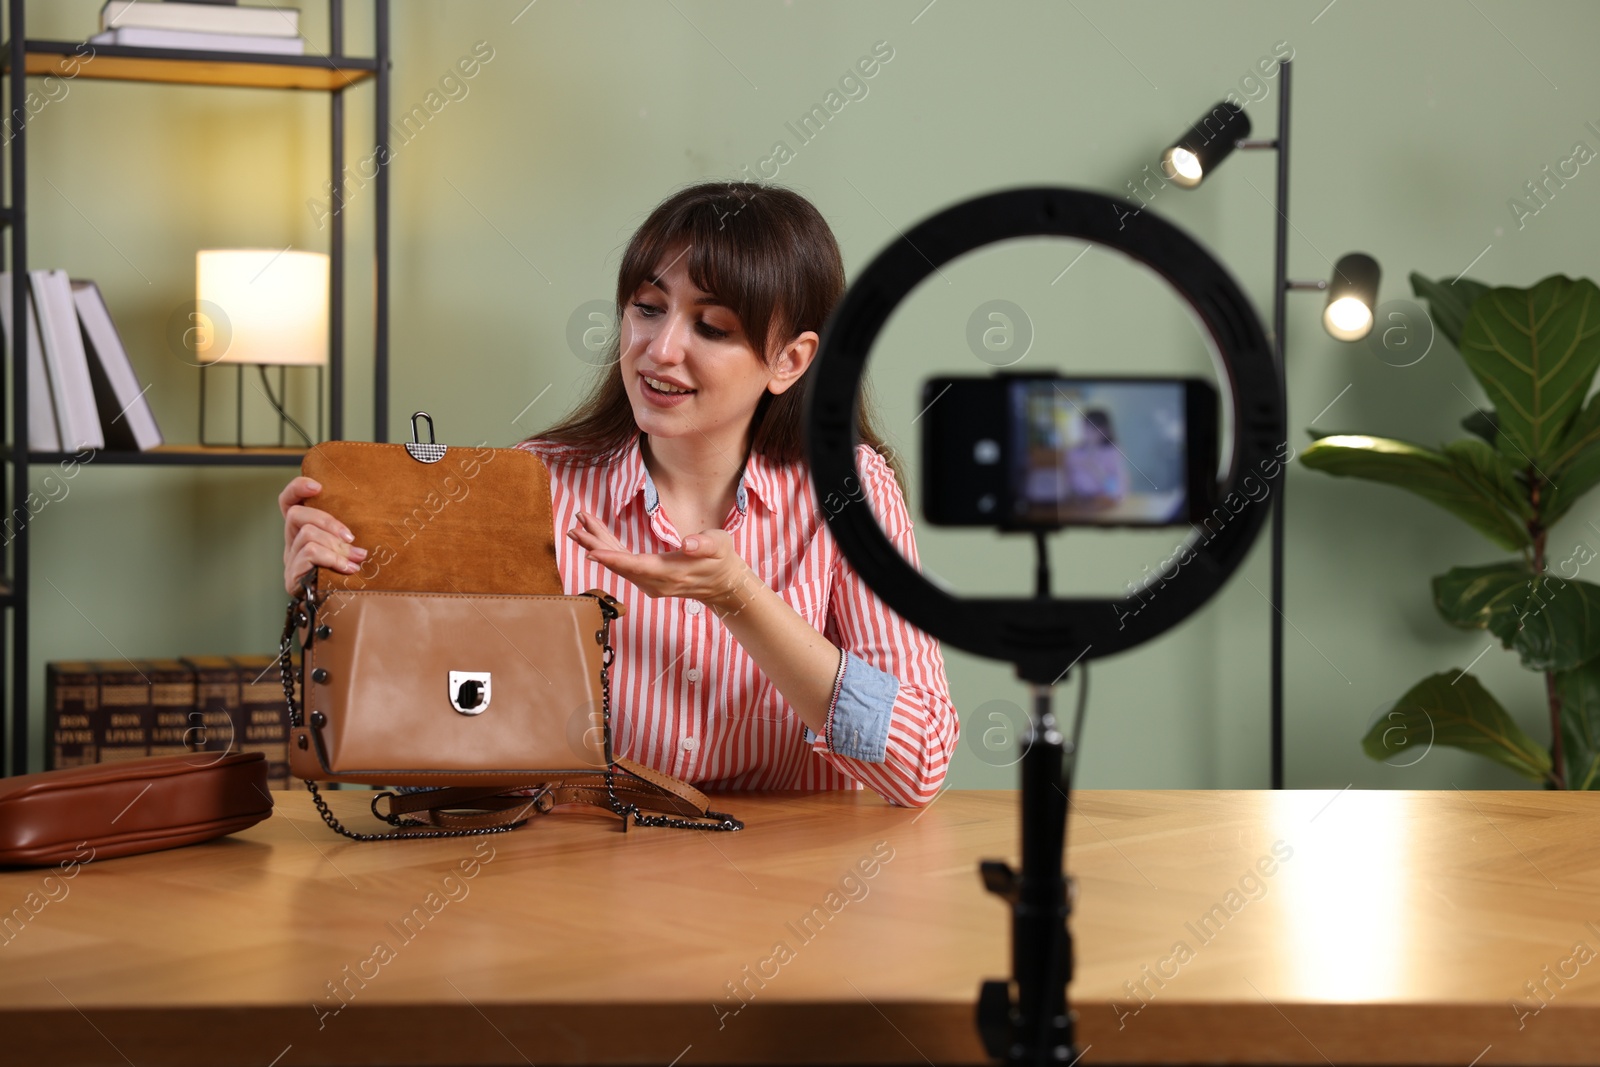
[[1532, 456]]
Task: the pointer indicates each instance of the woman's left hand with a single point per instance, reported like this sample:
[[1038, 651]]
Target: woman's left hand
[[706, 569]]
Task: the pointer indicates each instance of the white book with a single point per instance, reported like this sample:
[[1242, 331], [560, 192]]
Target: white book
[[202, 18], [68, 363], [125, 413], [139, 37], [42, 433]]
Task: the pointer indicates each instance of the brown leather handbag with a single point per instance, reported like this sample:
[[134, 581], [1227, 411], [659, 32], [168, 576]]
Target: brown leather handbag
[[124, 807], [452, 659]]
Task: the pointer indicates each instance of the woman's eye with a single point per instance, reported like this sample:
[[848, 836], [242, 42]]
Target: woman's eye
[[646, 310], [712, 332]]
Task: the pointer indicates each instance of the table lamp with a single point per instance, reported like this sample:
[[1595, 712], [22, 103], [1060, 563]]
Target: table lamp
[[262, 307]]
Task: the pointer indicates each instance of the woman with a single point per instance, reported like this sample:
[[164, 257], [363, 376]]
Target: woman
[[752, 655], [1096, 471]]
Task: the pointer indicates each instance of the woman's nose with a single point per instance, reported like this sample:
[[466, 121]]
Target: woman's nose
[[671, 340]]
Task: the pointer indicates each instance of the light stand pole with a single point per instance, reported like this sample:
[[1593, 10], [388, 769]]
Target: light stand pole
[[1281, 287], [1036, 1028]]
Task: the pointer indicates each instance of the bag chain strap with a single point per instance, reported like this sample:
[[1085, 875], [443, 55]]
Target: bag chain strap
[[724, 821], [303, 610]]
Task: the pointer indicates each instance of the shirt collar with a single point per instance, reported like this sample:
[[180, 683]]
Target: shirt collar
[[630, 477]]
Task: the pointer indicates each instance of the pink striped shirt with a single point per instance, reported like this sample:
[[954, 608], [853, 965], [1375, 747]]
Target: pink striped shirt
[[688, 700]]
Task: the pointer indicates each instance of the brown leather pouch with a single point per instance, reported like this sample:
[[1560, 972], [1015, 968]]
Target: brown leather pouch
[[453, 659], [121, 808]]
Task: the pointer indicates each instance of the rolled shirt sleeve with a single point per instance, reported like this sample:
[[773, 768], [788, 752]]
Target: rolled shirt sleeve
[[892, 726]]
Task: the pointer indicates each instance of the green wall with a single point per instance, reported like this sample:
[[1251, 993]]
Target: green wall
[[1414, 125]]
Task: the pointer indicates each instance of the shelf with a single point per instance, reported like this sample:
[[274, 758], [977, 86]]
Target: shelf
[[179, 456], [68, 60], [185, 67]]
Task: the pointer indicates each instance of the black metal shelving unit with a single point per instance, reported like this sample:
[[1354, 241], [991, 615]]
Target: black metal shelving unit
[[21, 59]]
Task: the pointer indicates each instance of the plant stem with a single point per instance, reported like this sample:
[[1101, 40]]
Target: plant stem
[[1558, 774], [1537, 532]]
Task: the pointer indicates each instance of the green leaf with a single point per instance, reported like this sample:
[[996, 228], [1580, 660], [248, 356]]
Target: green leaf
[[1448, 302], [1575, 468], [1482, 423], [1579, 690], [1449, 480], [1576, 478], [1453, 708], [1535, 352], [1584, 431], [1477, 462], [1471, 597], [1553, 623]]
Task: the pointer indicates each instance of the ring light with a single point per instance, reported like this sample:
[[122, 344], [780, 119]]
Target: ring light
[[1044, 637]]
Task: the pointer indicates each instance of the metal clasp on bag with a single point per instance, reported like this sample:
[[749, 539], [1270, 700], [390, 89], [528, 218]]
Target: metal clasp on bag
[[469, 691], [424, 452], [544, 799], [305, 605]]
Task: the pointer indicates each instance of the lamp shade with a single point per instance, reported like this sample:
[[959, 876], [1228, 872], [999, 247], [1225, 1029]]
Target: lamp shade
[[264, 306], [1205, 144]]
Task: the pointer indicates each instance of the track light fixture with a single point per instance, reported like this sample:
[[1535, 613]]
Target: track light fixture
[[1205, 144], [1352, 294]]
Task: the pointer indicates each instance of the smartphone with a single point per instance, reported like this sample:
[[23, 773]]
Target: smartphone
[[1028, 451]]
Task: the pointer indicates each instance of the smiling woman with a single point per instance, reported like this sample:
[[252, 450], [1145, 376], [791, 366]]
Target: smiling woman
[[681, 485], [682, 478]]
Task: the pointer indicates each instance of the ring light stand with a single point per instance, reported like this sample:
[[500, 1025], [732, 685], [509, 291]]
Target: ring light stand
[[1043, 636]]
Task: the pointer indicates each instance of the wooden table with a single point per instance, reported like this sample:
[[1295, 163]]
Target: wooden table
[[1296, 927]]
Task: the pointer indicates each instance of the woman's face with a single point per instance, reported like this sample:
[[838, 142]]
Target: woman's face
[[673, 332]]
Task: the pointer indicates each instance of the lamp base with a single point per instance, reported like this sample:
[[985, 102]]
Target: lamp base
[[277, 402]]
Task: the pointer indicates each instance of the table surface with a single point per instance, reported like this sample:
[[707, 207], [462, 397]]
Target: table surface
[[1295, 927]]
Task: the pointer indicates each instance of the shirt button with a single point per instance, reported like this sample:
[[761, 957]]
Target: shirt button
[[693, 607], [693, 674], [690, 744]]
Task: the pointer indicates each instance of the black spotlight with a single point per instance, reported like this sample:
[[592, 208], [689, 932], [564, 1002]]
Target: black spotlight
[[1352, 294], [1205, 144]]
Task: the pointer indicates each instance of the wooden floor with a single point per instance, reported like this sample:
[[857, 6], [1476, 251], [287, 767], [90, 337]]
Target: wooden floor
[[1295, 927]]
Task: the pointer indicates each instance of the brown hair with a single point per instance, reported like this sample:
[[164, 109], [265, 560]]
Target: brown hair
[[771, 259]]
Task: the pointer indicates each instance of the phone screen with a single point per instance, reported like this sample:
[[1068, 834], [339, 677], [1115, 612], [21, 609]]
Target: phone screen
[[1020, 451], [1108, 452]]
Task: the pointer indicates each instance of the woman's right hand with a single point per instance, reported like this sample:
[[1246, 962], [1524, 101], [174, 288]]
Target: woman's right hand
[[312, 537]]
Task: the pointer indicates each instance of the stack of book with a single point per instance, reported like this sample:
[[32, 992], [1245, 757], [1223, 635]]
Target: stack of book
[[97, 711], [201, 27], [82, 392]]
